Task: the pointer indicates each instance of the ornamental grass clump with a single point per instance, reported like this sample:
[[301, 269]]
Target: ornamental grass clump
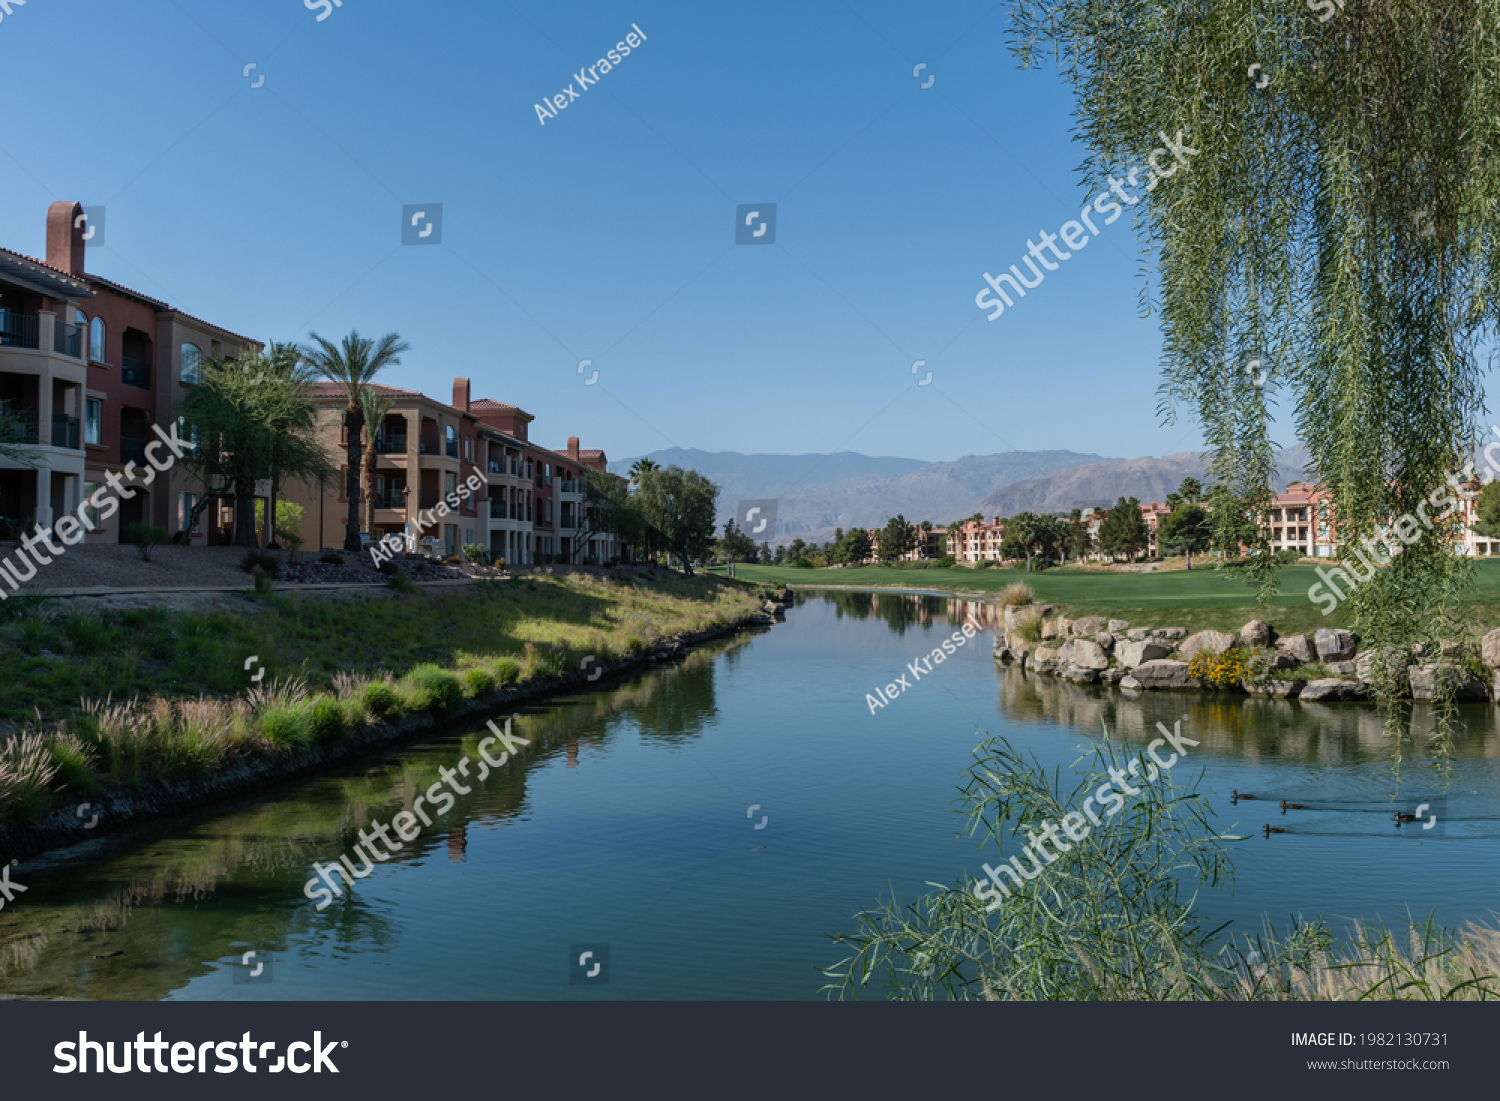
[[1016, 593], [431, 688]]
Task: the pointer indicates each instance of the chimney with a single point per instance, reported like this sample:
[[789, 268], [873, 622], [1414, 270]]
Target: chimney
[[573, 448], [461, 394], [65, 237]]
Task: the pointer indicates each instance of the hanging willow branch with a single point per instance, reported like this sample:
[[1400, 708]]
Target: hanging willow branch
[[1338, 225]]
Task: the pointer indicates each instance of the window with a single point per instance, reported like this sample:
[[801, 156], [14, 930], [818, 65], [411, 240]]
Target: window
[[469, 448], [192, 360], [450, 538], [96, 340], [91, 512], [450, 484], [93, 420], [186, 502]]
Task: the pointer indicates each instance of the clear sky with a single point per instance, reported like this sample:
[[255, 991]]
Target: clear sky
[[607, 233]]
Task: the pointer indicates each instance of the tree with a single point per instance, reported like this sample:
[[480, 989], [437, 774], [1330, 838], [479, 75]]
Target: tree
[[1124, 530], [680, 505], [896, 538], [1187, 528], [250, 420], [1022, 533], [766, 557], [735, 545], [1335, 231], [351, 366], [640, 469], [1488, 506], [373, 407], [607, 506], [796, 551], [780, 555], [856, 547]]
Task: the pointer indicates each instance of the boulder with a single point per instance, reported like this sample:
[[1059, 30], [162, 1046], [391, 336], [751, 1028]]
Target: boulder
[[1333, 690], [1343, 668], [1137, 634], [1132, 654], [1049, 628], [1297, 648], [1163, 674], [1207, 642], [1334, 645], [1489, 649], [1088, 626], [1004, 653], [1170, 633], [1112, 676], [1013, 616], [1130, 683], [1105, 640], [1081, 676], [1256, 634], [1395, 663], [1427, 680], [1045, 659], [1118, 626], [1278, 689], [1087, 654], [1064, 627]]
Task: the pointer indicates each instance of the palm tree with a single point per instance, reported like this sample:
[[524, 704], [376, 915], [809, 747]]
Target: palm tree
[[374, 406], [641, 468], [352, 366]]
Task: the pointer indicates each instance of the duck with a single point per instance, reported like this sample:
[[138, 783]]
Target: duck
[[1236, 795], [1402, 816], [1270, 829], [1285, 806]]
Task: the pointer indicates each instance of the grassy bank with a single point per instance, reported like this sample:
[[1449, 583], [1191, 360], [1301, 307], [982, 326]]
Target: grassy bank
[[151, 695], [1196, 600]]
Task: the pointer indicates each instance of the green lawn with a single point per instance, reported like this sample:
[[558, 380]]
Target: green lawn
[[1196, 599]]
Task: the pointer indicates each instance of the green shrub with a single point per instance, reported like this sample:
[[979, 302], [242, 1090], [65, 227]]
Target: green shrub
[[430, 688], [947, 562], [332, 558], [634, 645], [145, 537], [479, 682], [262, 583], [268, 564], [37, 635], [507, 670], [403, 584], [288, 727], [381, 699], [329, 720], [475, 553], [74, 761]]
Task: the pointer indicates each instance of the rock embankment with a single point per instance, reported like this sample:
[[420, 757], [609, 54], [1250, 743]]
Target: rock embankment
[[1326, 665]]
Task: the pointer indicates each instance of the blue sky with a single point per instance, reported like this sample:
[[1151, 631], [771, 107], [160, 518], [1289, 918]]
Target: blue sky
[[608, 233]]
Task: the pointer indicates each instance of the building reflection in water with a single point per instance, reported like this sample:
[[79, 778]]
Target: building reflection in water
[[573, 754], [458, 842]]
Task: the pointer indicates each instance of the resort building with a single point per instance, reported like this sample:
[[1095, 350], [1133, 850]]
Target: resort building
[[978, 541]]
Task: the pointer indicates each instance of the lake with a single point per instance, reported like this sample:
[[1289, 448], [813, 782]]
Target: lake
[[702, 828]]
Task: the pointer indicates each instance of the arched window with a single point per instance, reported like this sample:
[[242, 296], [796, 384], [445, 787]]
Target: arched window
[[192, 358], [96, 340]]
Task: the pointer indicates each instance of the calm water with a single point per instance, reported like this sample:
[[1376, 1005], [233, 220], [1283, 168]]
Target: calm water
[[629, 823]]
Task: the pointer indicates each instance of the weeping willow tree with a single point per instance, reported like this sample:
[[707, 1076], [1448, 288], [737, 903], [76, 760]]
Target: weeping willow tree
[[1332, 245]]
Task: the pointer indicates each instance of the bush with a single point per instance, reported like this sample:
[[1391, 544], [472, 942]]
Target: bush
[[332, 559], [401, 583], [947, 562], [381, 699], [1029, 625], [507, 670], [74, 761], [479, 682], [1016, 594], [475, 553], [268, 564], [288, 727], [329, 720], [429, 688], [803, 564], [1224, 670], [145, 536]]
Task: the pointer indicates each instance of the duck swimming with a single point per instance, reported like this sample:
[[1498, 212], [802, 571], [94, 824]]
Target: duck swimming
[[1270, 829], [1402, 816], [1285, 806], [1236, 795]]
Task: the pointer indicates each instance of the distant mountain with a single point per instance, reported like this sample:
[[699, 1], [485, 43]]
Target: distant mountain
[[1101, 484], [818, 493]]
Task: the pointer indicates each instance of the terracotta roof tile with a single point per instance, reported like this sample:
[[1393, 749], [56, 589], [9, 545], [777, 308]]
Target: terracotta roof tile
[[334, 390]]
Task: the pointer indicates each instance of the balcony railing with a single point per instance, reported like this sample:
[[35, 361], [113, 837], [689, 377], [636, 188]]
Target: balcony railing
[[19, 426], [64, 431], [67, 340], [497, 510], [19, 330], [132, 449], [390, 500], [571, 486], [494, 467], [429, 499], [390, 445], [428, 446], [452, 449], [135, 372]]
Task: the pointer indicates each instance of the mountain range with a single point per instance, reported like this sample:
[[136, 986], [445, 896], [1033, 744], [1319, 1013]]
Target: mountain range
[[818, 493]]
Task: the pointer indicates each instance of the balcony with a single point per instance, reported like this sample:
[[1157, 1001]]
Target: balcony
[[390, 500], [65, 431], [67, 340], [497, 510], [571, 486], [19, 331], [135, 372], [452, 449], [495, 468], [20, 426], [428, 445], [390, 445], [429, 499]]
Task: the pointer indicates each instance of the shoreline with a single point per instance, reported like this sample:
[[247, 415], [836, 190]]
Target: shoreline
[[123, 810]]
